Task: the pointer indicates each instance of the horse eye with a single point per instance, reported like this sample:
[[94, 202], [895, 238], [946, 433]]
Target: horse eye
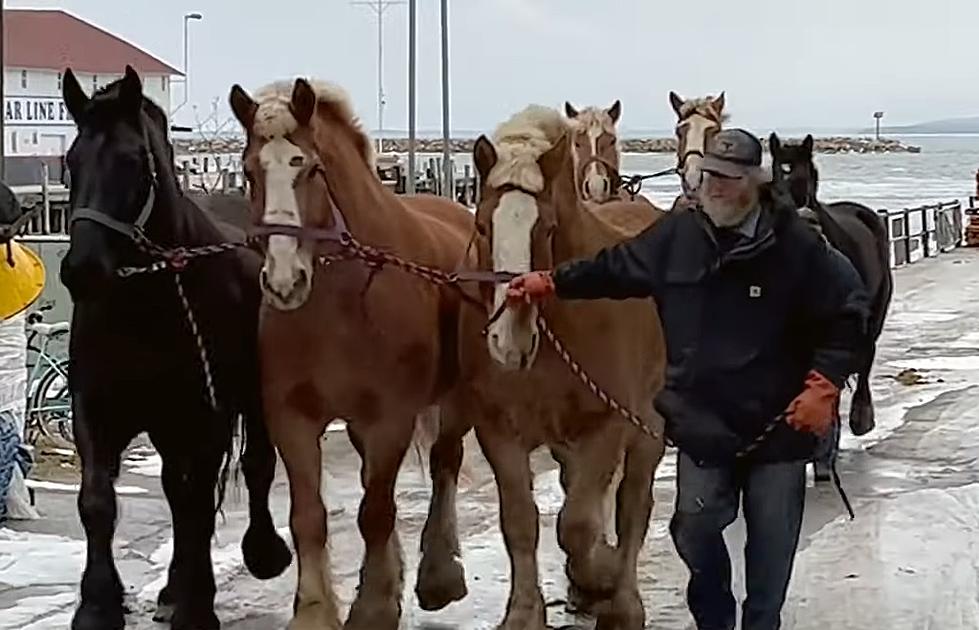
[[296, 161]]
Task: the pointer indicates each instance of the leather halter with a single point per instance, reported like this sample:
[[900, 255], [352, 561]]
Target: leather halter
[[130, 230], [337, 233]]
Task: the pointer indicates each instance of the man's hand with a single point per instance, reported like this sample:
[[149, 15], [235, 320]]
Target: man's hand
[[530, 287], [815, 409]]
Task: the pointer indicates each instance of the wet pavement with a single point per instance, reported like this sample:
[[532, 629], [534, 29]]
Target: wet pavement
[[910, 560]]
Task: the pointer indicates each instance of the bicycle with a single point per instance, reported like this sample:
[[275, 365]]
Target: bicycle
[[48, 411]]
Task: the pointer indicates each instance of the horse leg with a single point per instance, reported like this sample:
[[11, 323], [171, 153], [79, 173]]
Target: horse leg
[[298, 440], [189, 482], [519, 520], [635, 505], [265, 553], [101, 587], [382, 447], [591, 563], [862, 406], [441, 575]]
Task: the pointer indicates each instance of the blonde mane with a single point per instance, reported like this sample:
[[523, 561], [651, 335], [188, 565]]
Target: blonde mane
[[593, 118], [520, 141], [274, 115], [703, 107]]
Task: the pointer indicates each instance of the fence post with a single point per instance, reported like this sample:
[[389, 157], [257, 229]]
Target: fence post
[[45, 200], [907, 236], [925, 233], [884, 216]]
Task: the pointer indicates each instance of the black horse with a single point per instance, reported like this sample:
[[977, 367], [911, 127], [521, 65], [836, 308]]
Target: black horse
[[140, 360], [859, 234]]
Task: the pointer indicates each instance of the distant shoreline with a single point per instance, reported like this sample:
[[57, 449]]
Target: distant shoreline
[[824, 145]]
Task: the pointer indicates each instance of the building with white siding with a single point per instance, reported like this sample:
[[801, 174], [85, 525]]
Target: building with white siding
[[40, 44]]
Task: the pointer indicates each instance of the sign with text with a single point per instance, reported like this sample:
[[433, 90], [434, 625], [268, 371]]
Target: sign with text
[[35, 110]]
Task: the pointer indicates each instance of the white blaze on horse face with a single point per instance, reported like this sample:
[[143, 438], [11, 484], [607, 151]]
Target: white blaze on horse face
[[596, 185], [696, 128], [287, 275], [513, 338]]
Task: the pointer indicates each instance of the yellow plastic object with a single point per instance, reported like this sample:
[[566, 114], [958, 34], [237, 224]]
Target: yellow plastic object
[[21, 284]]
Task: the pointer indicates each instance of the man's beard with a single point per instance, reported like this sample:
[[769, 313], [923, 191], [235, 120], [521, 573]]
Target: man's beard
[[724, 213]]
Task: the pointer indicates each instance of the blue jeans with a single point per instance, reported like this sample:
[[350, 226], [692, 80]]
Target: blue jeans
[[706, 503]]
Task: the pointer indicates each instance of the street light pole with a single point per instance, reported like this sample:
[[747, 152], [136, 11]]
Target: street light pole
[[877, 117], [447, 169], [410, 185], [379, 7], [186, 81]]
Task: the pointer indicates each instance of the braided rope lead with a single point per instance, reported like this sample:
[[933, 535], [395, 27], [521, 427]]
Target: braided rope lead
[[201, 348]]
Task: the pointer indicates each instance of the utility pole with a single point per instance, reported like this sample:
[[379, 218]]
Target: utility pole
[[448, 187], [410, 184], [3, 98], [379, 7], [877, 117]]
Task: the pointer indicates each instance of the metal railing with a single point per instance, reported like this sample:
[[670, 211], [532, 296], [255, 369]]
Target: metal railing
[[924, 231]]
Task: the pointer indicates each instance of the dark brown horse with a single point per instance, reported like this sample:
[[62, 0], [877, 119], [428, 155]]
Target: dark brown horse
[[859, 234]]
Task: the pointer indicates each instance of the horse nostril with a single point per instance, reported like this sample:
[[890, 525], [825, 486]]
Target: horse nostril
[[303, 276], [263, 278], [605, 185], [495, 337]]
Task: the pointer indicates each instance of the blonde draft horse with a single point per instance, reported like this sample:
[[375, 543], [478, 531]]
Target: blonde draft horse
[[345, 341], [531, 217], [596, 150], [698, 120]]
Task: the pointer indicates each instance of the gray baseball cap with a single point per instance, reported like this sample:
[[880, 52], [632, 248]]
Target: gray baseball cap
[[732, 153]]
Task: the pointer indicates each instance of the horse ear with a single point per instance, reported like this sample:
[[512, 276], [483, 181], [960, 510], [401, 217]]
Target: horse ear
[[570, 110], [718, 103], [807, 144], [554, 160], [677, 103], [484, 156], [131, 91], [615, 111], [76, 101], [243, 106], [303, 102], [774, 145]]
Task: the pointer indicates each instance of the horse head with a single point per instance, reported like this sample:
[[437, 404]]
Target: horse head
[[596, 150], [121, 168], [698, 120], [526, 176], [793, 168], [288, 127]]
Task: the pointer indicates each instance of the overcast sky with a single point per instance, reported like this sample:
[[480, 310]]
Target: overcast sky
[[784, 63]]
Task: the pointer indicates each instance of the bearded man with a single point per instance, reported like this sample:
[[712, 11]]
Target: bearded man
[[761, 319]]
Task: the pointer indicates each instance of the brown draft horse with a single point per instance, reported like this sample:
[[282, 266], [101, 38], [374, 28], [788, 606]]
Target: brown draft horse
[[596, 150], [342, 340], [524, 396]]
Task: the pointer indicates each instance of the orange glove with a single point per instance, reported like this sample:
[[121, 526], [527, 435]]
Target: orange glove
[[530, 287], [815, 409]]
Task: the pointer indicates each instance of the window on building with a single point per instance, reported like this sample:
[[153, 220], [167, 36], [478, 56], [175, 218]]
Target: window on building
[[163, 83], [59, 81], [23, 79], [34, 138], [13, 142]]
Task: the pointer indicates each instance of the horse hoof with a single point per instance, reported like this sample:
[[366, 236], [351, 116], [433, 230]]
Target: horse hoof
[[862, 419], [373, 616], [624, 612], [266, 555], [199, 621], [93, 617], [164, 613], [440, 583]]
